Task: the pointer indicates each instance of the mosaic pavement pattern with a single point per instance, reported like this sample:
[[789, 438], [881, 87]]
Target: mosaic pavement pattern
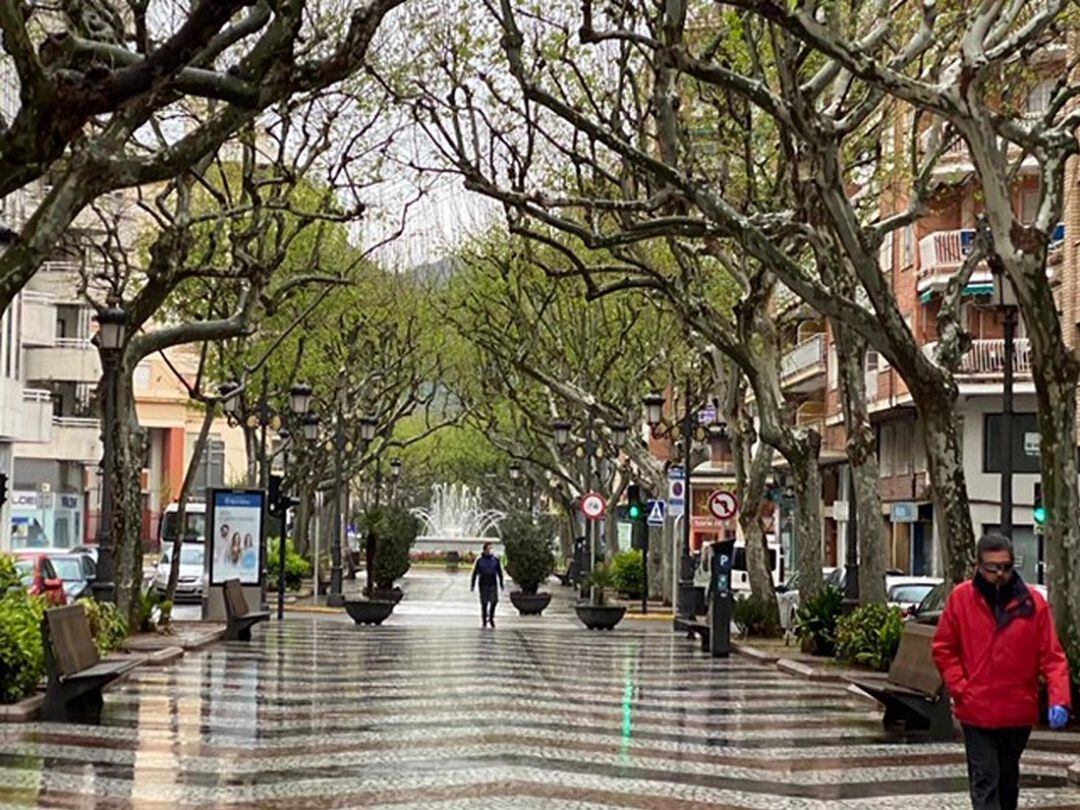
[[430, 711]]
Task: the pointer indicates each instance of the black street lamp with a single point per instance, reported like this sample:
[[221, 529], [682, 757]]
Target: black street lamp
[[112, 327], [299, 403], [1007, 305], [654, 415], [395, 475], [589, 451], [368, 426]]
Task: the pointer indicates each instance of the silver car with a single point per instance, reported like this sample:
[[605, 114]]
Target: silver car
[[189, 585]]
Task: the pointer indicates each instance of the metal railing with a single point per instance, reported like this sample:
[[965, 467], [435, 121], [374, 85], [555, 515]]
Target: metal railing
[[809, 353], [987, 356], [38, 395], [36, 297], [76, 422], [945, 250], [73, 343]]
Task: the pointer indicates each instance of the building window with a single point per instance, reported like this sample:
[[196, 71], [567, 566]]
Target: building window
[[831, 368], [211, 471], [1025, 443], [1029, 206], [885, 253], [909, 246], [1038, 99]]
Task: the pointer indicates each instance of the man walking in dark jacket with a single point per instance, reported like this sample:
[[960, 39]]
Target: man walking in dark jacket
[[994, 641], [489, 571]]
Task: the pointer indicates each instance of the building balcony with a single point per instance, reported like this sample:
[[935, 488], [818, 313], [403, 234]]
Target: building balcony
[[67, 360], [38, 319], [37, 409], [942, 253], [986, 358], [73, 439], [803, 368]]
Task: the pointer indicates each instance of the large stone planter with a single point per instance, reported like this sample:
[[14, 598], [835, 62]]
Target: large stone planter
[[600, 617], [369, 611], [530, 604], [387, 594]]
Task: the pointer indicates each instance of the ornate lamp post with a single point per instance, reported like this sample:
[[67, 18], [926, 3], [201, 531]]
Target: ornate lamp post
[[299, 403], [654, 415], [112, 327]]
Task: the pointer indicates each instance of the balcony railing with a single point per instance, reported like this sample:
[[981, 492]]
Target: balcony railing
[[807, 355], [76, 422], [37, 395], [73, 343], [944, 251], [987, 357]]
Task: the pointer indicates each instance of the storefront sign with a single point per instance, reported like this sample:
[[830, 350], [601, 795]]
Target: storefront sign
[[1031, 444], [904, 512], [236, 547]]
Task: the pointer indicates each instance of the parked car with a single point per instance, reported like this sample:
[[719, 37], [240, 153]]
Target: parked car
[[87, 550], [928, 611], [907, 593], [787, 599], [189, 584], [40, 578], [77, 572]]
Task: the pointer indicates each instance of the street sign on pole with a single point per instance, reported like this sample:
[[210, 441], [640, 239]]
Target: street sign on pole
[[656, 513], [723, 504], [676, 500], [592, 506]]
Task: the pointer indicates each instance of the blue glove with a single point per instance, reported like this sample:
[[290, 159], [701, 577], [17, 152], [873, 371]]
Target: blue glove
[[1059, 716]]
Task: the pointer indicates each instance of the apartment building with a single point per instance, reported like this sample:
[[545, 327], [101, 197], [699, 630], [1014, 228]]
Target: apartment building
[[919, 261]]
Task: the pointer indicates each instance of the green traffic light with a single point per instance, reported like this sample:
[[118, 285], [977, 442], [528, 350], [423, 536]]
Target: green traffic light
[[636, 511], [1040, 515]]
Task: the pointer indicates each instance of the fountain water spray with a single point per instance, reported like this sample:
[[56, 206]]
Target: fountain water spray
[[456, 520]]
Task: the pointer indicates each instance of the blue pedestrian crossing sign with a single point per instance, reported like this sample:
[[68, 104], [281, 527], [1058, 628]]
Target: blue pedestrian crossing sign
[[656, 513]]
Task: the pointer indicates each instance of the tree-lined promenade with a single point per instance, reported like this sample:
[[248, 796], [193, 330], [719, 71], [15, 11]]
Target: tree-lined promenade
[[678, 192]]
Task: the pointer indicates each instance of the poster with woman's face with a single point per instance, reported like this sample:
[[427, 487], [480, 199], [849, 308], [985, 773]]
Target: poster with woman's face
[[236, 531]]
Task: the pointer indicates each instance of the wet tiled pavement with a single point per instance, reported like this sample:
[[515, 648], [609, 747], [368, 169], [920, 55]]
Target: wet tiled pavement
[[430, 711]]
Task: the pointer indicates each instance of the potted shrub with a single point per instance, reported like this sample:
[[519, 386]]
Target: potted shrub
[[530, 559], [597, 614], [392, 530], [626, 567]]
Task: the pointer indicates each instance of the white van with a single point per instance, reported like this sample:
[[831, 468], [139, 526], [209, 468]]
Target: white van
[[740, 579], [194, 524]]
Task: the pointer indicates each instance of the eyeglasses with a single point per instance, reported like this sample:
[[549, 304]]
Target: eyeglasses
[[996, 568]]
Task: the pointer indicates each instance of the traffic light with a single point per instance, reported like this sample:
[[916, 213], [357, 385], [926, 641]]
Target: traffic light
[[636, 509], [3, 489], [1038, 511]]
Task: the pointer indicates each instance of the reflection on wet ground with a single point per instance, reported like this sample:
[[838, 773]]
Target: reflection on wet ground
[[431, 711]]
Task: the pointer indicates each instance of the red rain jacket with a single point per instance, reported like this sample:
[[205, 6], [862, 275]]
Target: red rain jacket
[[992, 673]]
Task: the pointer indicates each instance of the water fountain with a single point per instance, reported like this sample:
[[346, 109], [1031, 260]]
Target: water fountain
[[457, 521]]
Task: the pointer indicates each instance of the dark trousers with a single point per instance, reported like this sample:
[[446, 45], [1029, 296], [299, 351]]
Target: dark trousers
[[489, 597], [993, 757]]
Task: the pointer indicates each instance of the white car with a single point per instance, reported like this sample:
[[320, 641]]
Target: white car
[[787, 599], [189, 584], [907, 592]]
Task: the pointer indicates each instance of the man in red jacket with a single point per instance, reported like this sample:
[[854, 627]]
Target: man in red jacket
[[995, 638]]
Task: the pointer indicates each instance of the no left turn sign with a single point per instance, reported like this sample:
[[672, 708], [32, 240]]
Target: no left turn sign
[[592, 505], [723, 505]]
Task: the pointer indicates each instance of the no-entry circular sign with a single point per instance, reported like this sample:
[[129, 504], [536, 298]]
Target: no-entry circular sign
[[592, 505], [723, 504]]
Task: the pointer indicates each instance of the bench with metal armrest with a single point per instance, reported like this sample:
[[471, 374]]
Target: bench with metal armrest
[[913, 693], [239, 617], [76, 674]]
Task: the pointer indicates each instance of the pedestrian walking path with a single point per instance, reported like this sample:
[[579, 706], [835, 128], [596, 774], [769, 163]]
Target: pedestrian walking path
[[431, 711]]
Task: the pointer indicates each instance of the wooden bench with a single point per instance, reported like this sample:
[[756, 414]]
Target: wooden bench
[[913, 693], [76, 673], [695, 628], [239, 617]]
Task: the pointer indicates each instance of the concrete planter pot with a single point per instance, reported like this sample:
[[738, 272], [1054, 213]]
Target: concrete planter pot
[[600, 617], [530, 604], [369, 611]]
